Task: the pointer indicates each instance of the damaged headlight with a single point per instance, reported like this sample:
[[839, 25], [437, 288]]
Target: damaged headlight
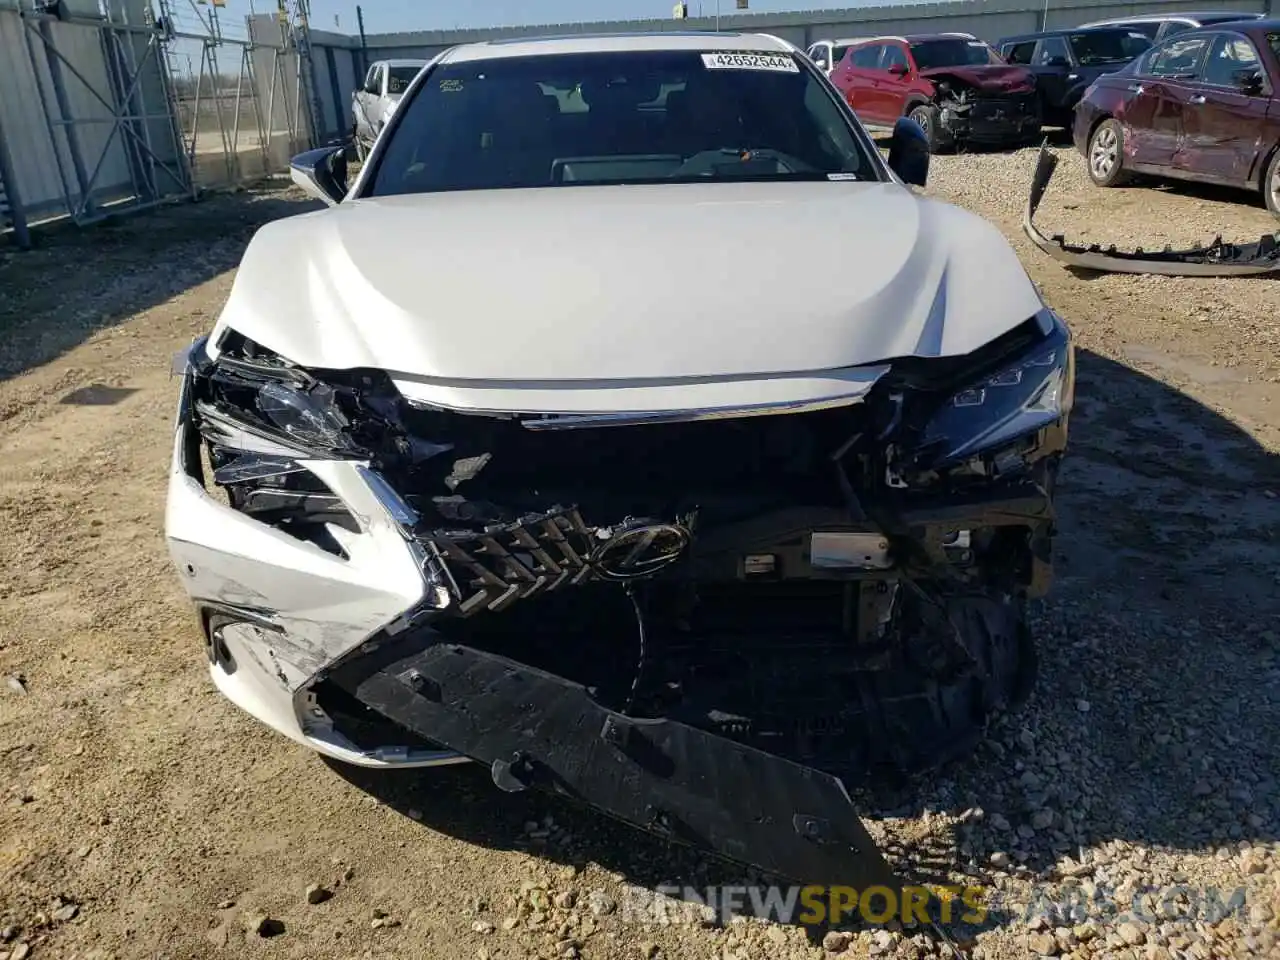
[[262, 418], [249, 399], [1029, 393]]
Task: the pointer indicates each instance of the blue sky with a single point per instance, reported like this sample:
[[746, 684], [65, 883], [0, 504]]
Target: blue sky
[[389, 16]]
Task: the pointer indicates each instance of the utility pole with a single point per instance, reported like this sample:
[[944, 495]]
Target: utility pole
[[717, 16], [364, 45]]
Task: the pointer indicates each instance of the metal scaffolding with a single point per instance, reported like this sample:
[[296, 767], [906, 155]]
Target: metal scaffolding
[[116, 105], [133, 163]]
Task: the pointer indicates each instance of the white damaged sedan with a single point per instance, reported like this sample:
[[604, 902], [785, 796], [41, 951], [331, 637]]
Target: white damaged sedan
[[631, 427]]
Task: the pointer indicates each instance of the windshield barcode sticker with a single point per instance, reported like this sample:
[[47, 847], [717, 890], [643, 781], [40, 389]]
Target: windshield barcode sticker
[[728, 60]]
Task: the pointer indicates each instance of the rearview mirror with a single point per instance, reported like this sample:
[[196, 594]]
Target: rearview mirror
[[898, 69], [909, 152], [322, 173]]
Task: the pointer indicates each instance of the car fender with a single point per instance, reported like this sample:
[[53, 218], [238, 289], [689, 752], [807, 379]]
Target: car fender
[[915, 100]]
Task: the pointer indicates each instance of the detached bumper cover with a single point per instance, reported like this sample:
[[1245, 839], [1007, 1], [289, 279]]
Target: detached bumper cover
[[538, 730], [1218, 259]]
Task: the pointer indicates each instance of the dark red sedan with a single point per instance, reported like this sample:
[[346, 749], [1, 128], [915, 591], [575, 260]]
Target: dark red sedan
[[1202, 105]]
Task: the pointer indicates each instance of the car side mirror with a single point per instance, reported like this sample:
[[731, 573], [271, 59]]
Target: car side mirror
[[898, 69], [322, 173], [1057, 62], [909, 152]]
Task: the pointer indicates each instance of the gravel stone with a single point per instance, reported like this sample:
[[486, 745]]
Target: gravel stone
[[1042, 945], [1131, 934], [66, 912], [566, 899], [837, 941]]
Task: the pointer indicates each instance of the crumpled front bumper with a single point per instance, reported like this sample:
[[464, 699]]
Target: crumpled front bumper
[[537, 730], [276, 610], [992, 121], [284, 619], [279, 614]]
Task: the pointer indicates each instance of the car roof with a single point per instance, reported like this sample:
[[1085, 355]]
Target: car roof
[[405, 62], [617, 43], [842, 41], [1225, 16], [1241, 26], [925, 37], [1065, 32]]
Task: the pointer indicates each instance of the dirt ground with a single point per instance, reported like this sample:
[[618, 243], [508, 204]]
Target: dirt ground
[[143, 816]]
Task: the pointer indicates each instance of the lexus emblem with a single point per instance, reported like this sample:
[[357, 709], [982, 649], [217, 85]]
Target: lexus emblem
[[639, 549]]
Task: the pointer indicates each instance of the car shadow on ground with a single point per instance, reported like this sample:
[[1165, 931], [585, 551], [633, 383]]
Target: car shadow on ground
[[122, 267], [1208, 193], [1160, 657]]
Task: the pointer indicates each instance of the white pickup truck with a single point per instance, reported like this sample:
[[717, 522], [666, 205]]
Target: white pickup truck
[[377, 97]]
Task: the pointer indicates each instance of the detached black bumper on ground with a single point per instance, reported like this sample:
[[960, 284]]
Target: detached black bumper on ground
[[1217, 259]]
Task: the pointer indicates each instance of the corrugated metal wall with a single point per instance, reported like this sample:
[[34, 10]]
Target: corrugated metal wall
[[68, 91]]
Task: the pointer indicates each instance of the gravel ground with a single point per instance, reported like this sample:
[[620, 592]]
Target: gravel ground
[[142, 816]]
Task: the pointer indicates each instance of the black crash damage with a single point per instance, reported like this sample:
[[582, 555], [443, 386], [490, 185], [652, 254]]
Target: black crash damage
[[723, 683], [714, 712]]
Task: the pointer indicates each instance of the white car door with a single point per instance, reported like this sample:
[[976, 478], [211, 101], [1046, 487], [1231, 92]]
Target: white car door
[[365, 103]]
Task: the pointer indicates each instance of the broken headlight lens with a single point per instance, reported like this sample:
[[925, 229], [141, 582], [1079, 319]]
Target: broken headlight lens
[[1031, 392], [309, 418], [251, 400]]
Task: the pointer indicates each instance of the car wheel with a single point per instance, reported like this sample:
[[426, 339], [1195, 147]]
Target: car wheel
[[929, 118], [1271, 183], [1106, 154]]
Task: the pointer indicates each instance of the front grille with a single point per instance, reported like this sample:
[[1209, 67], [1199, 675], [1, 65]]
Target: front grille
[[503, 563]]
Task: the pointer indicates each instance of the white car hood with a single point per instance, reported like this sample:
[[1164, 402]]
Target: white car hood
[[479, 294]]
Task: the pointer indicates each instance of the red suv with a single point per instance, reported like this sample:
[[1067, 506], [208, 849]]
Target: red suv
[[954, 85]]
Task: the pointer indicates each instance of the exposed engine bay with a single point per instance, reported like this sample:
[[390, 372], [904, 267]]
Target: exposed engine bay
[[823, 594], [1218, 258], [967, 113]]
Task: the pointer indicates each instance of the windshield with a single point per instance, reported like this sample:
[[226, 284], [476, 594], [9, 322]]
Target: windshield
[[1108, 46], [633, 117], [399, 78], [952, 52]]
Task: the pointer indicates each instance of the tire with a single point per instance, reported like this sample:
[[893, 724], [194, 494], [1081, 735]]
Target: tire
[[1271, 183], [1105, 155], [930, 119]]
